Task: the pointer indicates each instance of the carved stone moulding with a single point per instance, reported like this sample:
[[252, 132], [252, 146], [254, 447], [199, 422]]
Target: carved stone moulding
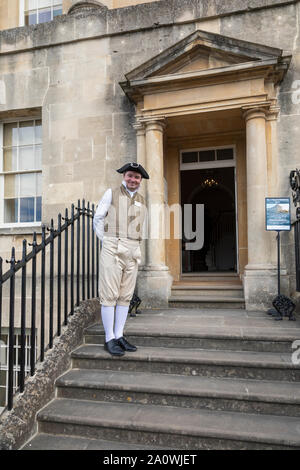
[[88, 5]]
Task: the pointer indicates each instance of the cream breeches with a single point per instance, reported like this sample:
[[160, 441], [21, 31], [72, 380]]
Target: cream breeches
[[118, 269]]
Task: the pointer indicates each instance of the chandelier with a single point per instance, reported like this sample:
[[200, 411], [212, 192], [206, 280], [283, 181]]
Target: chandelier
[[209, 182]]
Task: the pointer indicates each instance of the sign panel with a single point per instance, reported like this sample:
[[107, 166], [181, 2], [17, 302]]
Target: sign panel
[[278, 213]]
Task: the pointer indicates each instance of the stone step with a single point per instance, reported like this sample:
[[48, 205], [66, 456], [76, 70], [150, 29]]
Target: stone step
[[44, 441], [203, 337], [205, 301], [247, 396], [182, 428], [209, 276], [207, 290], [208, 363]]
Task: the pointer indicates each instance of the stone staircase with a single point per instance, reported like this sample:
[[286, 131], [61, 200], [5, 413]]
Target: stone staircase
[[201, 379], [208, 292]]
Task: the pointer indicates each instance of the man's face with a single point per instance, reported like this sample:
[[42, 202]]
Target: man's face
[[132, 180]]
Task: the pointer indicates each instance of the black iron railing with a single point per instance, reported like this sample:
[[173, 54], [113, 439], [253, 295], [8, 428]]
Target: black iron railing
[[295, 186], [297, 251], [64, 264]]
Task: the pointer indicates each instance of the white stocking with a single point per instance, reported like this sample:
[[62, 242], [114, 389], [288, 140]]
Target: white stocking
[[107, 315], [121, 316]]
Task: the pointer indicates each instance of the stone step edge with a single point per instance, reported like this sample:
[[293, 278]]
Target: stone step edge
[[275, 398], [203, 298], [142, 356], [203, 287], [90, 331], [102, 444], [165, 426]]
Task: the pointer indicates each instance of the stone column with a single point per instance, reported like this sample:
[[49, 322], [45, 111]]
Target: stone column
[[141, 159], [141, 151], [260, 272], [154, 283]]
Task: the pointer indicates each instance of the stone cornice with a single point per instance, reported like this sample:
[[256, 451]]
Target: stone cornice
[[67, 29]]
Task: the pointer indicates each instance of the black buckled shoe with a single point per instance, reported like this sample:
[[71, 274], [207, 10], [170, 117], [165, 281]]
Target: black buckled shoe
[[125, 345], [114, 348]]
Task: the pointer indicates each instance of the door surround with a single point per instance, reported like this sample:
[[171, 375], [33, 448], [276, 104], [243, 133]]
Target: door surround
[[185, 80]]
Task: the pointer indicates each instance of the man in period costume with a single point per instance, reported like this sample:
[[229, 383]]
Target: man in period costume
[[118, 222]]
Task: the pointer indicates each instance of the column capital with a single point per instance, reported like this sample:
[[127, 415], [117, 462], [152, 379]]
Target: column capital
[[158, 124], [139, 127], [273, 113], [255, 112]]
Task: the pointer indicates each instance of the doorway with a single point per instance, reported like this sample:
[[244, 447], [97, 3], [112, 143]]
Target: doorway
[[212, 185]]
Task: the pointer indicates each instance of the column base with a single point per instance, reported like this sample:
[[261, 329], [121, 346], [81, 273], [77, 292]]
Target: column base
[[154, 286], [261, 286]]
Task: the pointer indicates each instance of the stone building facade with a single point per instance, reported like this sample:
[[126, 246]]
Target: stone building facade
[[204, 94]]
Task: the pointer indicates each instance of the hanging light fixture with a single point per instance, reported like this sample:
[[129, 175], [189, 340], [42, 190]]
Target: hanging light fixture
[[209, 182]]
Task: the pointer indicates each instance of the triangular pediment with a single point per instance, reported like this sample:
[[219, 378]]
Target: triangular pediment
[[202, 51], [200, 58]]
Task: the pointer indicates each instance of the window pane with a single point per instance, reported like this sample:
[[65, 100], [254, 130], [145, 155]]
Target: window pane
[[189, 157], [10, 186], [3, 351], [30, 18], [38, 132], [38, 157], [57, 11], [10, 134], [224, 154], [44, 15], [26, 133], [27, 209], [30, 4], [38, 209], [10, 210], [26, 158], [2, 379], [44, 3], [38, 184], [206, 155], [10, 159], [27, 185]]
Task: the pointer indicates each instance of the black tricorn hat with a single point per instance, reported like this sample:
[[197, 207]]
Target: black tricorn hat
[[134, 167]]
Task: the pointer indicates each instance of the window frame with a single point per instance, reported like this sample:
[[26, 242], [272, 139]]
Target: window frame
[[18, 172], [22, 11], [209, 163], [4, 349]]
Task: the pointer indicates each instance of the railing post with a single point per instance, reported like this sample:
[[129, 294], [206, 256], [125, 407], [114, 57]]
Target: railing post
[[93, 254], [51, 284], [43, 267], [97, 264], [33, 306], [72, 260], [83, 250], [1, 264], [88, 250], [11, 331], [23, 318], [78, 255], [59, 276], [66, 269], [297, 252]]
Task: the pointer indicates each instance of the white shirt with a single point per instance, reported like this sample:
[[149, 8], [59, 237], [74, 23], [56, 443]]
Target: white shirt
[[102, 209]]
